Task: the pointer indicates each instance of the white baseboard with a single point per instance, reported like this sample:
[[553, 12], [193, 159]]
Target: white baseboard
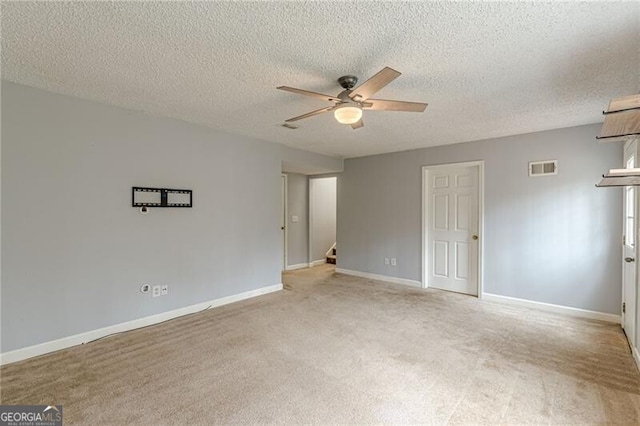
[[636, 356], [317, 262], [385, 278], [297, 266], [78, 339], [583, 313]]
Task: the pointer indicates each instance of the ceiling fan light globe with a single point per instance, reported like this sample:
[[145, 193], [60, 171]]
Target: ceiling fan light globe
[[348, 114]]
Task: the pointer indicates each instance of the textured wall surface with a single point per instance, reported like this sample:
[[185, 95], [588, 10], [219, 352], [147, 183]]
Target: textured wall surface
[[298, 232], [487, 69], [74, 251], [553, 239]]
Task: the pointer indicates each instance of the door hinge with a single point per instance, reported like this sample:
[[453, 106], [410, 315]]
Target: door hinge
[[624, 240], [624, 308]]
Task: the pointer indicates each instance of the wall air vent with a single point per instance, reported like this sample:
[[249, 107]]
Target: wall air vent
[[543, 168]]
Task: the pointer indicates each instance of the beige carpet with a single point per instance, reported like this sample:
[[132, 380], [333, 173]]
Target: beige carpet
[[337, 349]]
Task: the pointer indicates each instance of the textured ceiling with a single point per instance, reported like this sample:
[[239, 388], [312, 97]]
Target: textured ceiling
[[486, 69]]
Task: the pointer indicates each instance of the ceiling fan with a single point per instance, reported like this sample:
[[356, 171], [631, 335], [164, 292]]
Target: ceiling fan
[[348, 105]]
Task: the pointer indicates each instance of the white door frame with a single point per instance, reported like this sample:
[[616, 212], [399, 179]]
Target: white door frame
[[631, 312], [425, 200], [284, 182], [310, 261]]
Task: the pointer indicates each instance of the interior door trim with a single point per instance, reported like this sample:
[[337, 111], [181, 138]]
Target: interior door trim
[[425, 171], [284, 182], [630, 148]]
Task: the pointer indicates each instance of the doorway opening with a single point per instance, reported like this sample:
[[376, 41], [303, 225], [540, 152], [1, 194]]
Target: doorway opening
[[322, 220]]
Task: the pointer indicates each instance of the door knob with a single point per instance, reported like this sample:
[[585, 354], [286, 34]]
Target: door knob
[[282, 227], [475, 237], [629, 259]]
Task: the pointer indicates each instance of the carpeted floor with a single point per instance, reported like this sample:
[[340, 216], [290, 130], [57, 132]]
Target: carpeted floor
[[332, 348]]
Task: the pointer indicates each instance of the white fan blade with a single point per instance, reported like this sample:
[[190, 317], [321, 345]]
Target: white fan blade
[[310, 114], [374, 84], [387, 105]]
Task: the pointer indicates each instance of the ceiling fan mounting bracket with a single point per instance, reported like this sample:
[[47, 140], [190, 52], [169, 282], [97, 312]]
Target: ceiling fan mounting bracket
[[348, 81]]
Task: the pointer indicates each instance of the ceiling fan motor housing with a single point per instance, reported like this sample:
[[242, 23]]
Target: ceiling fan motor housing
[[348, 81]]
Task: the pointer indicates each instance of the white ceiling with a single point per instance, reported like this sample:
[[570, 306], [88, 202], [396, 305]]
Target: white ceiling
[[486, 69]]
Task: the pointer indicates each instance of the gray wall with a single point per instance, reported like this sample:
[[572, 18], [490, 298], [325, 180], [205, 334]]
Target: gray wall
[[74, 251], [298, 232], [553, 239], [322, 216]]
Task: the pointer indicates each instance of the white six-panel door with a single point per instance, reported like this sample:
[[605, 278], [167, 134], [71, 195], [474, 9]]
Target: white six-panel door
[[452, 224]]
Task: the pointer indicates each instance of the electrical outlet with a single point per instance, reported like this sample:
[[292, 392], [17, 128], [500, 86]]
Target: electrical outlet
[[393, 261], [386, 260], [157, 291], [164, 290]]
